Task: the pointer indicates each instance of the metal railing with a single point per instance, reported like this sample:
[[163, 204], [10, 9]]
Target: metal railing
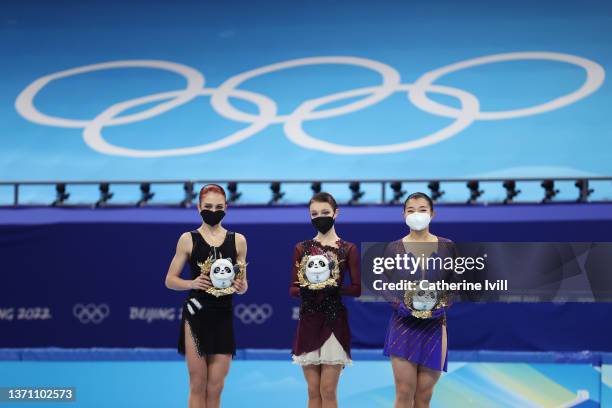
[[549, 191]]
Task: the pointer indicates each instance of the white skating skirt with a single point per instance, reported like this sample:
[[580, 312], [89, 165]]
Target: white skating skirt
[[331, 352]]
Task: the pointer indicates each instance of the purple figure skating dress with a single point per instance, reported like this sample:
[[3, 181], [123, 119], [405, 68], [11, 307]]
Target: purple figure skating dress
[[422, 341]]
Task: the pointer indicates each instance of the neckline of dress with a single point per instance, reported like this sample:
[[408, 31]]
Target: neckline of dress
[[208, 243], [405, 250], [437, 241], [337, 242]]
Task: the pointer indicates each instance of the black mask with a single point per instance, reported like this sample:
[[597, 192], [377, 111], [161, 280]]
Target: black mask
[[323, 224], [212, 218]]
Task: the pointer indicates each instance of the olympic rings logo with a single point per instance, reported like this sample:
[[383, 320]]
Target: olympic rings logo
[[253, 313], [91, 313], [293, 123]]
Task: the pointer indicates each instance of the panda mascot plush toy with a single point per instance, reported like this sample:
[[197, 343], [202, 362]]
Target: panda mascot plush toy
[[424, 299], [222, 273], [318, 268]]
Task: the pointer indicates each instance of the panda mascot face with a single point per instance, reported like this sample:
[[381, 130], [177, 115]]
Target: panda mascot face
[[317, 269], [424, 299], [222, 273]]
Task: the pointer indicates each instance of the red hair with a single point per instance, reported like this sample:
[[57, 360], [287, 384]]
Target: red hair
[[212, 188]]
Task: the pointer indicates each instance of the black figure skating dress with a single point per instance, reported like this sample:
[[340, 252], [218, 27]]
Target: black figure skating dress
[[210, 318]]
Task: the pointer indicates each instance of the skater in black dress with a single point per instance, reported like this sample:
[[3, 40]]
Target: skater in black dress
[[206, 336]]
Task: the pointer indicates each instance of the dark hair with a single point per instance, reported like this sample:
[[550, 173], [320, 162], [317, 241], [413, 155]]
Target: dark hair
[[419, 194], [212, 188], [324, 197]]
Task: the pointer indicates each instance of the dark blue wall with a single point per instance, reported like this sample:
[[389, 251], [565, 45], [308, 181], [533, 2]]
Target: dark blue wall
[[58, 258]]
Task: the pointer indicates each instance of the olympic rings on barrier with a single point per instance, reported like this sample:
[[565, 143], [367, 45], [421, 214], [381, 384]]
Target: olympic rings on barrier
[[253, 313], [306, 111], [91, 313]]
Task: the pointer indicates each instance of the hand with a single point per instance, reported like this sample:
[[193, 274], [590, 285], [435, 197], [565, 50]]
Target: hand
[[438, 312], [202, 282], [403, 310], [241, 286], [305, 292], [331, 290]]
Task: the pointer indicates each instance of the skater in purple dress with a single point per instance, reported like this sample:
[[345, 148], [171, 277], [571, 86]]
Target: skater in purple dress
[[417, 346]]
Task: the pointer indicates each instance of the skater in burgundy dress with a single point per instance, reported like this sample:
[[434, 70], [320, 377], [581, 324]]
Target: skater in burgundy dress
[[322, 344]]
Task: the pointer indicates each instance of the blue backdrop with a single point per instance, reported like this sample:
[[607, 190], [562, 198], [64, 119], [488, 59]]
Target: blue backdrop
[[100, 274]]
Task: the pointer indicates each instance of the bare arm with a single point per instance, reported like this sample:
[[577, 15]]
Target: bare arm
[[241, 285], [241, 248], [173, 279]]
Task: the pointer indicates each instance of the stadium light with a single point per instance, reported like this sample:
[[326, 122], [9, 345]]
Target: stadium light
[[434, 187], [398, 193], [189, 195], [549, 190], [316, 187], [584, 190], [356, 192], [473, 186], [277, 194], [105, 195], [235, 195], [61, 195], [511, 191], [145, 194]]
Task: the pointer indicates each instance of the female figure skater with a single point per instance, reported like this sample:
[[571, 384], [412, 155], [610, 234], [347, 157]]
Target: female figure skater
[[206, 337], [322, 344], [417, 346]]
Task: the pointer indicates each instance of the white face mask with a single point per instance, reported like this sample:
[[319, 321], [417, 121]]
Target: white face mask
[[418, 221]]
